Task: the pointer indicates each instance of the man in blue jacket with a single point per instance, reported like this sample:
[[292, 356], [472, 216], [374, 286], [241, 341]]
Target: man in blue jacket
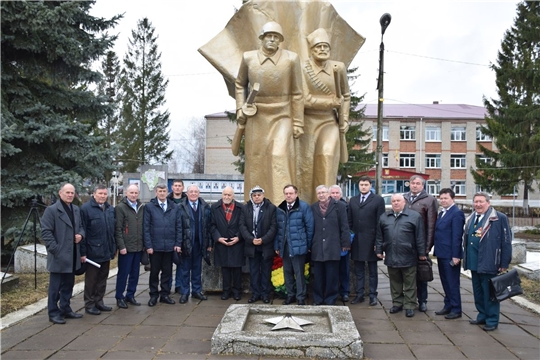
[[162, 235], [99, 245], [295, 233], [487, 241]]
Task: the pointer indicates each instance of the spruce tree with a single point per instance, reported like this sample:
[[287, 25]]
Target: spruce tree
[[144, 134], [513, 120]]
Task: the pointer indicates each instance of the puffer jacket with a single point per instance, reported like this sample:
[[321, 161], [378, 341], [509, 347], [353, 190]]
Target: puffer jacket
[[162, 230], [427, 206], [402, 239], [129, 226], [295, 228], [99, 225], [188, 225]]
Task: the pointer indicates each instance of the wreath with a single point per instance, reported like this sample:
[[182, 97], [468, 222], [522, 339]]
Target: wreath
[[278, 279]]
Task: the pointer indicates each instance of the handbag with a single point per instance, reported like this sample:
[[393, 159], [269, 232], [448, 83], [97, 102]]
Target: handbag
[[505, 285], [145, 258], [424, 270]]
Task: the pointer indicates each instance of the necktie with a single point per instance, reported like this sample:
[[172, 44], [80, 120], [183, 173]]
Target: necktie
[[163, 206], [413, 198], [289, 207], [194, 206], [441, 214], [477, 219], [363, 198]]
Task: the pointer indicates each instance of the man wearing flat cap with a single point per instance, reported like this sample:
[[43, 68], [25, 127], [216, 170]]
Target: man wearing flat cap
[[258, 227], [269, 145], [323, 108]]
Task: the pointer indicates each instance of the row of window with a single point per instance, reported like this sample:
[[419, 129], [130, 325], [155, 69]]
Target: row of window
[[433, 133], [433, 161], [432, 186]]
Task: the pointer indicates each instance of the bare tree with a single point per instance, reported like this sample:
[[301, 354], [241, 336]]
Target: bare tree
[[189, 148]]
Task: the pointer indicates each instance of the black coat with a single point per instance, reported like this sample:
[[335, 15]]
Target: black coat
[[331, 232], [226, 256], [363, 220], [266, 228], [99, 226]]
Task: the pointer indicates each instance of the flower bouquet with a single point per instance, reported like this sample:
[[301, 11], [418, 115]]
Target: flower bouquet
[[278, 278]]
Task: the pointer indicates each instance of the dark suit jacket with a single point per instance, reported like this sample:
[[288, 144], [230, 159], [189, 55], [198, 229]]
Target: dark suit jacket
[[331, 232], [266, 228], [449, 234], [363, 220], [226, 256]]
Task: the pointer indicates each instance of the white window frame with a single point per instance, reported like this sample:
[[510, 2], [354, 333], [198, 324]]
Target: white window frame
[[430, 158], [458, 161], [459, 187], [458, 133], [384, 133], [486, 159], [407, 161], [480, 136], [385, 160], [433, 187], [407, 132], [433, 133]]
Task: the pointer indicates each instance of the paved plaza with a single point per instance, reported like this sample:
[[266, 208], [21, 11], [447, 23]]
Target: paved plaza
[[184, 331]]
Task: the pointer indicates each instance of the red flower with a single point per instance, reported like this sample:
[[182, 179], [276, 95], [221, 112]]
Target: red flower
[[278, 262]]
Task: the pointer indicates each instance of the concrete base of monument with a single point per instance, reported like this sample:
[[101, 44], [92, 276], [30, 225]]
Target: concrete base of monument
[[244, 330]]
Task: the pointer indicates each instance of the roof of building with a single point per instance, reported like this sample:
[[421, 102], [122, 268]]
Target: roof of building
[[432, 111]]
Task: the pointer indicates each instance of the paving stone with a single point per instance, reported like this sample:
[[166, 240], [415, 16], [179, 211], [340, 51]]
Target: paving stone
[[211, 321], [163, 332], [121, 319], [184, 356], [131, 355], [373, 325], [141, 344], [408, 325], [77, 354], [514, 336], [109, 330], [495, 351], [427, 338], [526, 353], [531, 329], [89, 342], [380, 337], [191, 332], [46, 342], [387, 351], [188, 346], [166, 319], [475, 336], [26, 354], [439, 352]]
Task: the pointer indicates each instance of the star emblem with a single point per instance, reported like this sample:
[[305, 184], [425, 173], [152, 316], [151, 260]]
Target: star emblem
[[288, 321]]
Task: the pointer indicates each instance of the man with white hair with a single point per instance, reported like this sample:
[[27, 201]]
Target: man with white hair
[[344, 271]]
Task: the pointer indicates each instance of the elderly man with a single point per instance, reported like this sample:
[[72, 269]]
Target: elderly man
[[196, 225], [99, 245], [269, 145], [227, 243], [426, 205], [330, 237], [344, 270], [326, 115], [62, 232], [400, 237], [487, 241], [129, 241]]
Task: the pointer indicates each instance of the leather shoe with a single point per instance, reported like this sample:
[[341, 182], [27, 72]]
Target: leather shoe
[[373, 301], [317, 304], [422, 307], [453, 315], [396, 309], [104, 307], [489, 327], [183, 298], [132, 301], [345, 298], [266, 299], [409, 312], [93, 311], [152, 301], [72, 315], [477, 322], [121, 303], [442, 312], [167, 300], [358, 299], [57, 319], [301, 302], [289, 300], [237, 297], [225, 296], [254, 299], [199, 296]]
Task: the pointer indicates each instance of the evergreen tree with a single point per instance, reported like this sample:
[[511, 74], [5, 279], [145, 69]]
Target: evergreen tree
[[514, 119], [48, 111], [144, 131]]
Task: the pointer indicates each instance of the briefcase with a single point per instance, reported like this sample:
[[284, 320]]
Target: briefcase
[[424, 270], [504, 286]]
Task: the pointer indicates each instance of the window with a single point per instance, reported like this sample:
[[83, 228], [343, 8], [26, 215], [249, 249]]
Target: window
[[433, 187], [485, 159], [480, 136], [433, 161], [407, 160], [458, 134], [407, 133], [458, 162], [385, 160], [433, 133], [459, 187], [384, 133]]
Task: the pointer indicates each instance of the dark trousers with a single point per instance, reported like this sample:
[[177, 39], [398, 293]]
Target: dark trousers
[[450, 281], [360, 272], [488, 310], [190, 273], [293, 271], [232, 280], [95, 284], [60, 290], [421, 291], [260, 273], [402, 286], [325, 282], [128, 267], [344, 275], [160, 262]]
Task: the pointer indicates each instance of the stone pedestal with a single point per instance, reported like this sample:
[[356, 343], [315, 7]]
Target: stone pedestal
[[530, 270], [24, 259], [519, 251], [10, 281]]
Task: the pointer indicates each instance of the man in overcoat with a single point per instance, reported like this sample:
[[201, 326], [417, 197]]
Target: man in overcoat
[[62, 232], [227, 242]]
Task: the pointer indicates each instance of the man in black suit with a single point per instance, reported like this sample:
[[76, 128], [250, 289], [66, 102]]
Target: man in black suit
[[364, 213], [448, 239]]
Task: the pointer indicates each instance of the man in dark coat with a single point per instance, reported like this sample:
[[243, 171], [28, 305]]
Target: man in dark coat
[[228, 245], [400, 236], [162, 235], [98, 245], [330, 237], [426, 205], [62, 232], [365, 211], [258, 228]]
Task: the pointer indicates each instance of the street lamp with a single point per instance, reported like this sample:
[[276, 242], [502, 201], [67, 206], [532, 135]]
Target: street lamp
[[115, 186], [384, 21]]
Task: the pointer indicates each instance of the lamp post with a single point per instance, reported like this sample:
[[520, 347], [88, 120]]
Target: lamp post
[[115, 186], [384, 21]]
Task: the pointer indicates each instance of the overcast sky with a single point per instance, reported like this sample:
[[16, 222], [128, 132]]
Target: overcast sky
[[435, 50]]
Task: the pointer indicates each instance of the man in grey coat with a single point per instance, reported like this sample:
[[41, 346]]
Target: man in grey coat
[[62, 231]]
